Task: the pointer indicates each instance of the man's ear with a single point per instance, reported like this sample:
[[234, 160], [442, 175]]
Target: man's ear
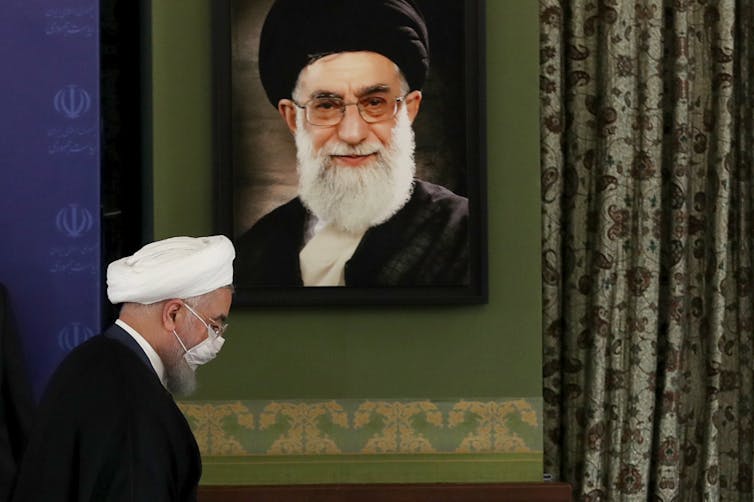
[[287, 109], [413, 101], [169, 312]]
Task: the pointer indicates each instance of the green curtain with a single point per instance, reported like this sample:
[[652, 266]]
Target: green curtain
[[647, 137]]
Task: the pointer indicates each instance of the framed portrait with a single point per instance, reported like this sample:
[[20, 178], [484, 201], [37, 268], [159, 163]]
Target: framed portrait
[[430, 246]]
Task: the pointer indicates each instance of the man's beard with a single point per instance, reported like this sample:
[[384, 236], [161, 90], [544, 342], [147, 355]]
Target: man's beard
[[356, 198], [180, 379]]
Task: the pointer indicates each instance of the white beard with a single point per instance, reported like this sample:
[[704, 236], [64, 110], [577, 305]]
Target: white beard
[[180, 379], [356, 198]]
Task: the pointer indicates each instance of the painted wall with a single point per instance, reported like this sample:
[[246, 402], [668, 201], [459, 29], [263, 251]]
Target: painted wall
[[316, 378]]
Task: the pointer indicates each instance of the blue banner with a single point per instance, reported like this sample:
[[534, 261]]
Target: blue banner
[[50, 159]]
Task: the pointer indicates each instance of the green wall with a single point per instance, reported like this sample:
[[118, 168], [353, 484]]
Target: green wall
[[437, 353]]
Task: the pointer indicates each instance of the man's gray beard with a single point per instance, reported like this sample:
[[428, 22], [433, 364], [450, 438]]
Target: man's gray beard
[[180, 379], [356, 198]]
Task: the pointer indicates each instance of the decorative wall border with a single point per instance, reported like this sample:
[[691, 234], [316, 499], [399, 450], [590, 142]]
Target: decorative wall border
[[365, 427]]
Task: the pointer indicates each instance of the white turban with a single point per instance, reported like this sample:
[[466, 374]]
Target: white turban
[[179, 267]]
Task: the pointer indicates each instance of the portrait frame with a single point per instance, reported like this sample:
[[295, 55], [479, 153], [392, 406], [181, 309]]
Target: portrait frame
[[249, 135]]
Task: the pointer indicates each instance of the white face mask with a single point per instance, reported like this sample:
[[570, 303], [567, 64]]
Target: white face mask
[[206, 350]]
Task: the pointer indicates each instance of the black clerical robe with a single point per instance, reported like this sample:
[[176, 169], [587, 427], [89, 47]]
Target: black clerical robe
[[107, 430], [426, 243], [15, 399]]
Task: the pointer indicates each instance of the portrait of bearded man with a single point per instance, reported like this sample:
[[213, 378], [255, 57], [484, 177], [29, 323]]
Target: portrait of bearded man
[[346, 78]]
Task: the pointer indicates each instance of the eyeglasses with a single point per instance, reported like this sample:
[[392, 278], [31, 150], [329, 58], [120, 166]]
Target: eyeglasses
[[218, 327], [329, 111]]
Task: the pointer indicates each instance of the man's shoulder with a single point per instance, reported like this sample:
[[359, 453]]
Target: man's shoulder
[[85, 376], [432, 210], [428, 192], [281, 227], [425, 243], [294, 208], [96, 348], [288, 213], [437, 200], [267, 253], [96, 363]]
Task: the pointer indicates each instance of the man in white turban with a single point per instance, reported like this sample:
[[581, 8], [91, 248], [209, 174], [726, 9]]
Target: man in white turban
[[107, 427]]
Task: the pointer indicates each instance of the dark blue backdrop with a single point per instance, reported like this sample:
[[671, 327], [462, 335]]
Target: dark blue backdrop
[[50, 160]]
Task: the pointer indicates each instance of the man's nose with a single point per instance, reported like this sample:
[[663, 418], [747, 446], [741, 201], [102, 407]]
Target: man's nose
[[352, 129]]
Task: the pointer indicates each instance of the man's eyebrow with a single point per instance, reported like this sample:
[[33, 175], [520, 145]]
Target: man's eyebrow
[[372, 89], [324, 94], [362, 91]]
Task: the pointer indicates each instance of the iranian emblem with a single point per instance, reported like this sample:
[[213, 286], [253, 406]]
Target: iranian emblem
[[72, 101], [74, 221], [72, 335]]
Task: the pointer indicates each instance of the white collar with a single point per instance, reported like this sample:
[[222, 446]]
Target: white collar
[[152, 355]]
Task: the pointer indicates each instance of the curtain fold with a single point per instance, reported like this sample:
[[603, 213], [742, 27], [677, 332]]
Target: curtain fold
[[647, 137]]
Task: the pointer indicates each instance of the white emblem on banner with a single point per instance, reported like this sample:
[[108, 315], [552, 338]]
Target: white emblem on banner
[[72, 335], [72, 101], [74, 221]]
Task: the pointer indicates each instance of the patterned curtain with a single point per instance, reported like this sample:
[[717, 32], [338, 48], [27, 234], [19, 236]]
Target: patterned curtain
[[647, 136]]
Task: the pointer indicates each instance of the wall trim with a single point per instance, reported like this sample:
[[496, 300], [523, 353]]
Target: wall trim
[[503, 492], [337, 469]]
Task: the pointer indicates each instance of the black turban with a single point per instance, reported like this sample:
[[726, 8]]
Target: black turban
[[295, 31]]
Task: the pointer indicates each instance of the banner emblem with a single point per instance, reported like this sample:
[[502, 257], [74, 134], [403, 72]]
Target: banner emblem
[[73, 335], [74, 221], [72, 101]]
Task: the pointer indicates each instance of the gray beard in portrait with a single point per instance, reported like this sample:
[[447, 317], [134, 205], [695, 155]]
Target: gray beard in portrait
[[354, 199]]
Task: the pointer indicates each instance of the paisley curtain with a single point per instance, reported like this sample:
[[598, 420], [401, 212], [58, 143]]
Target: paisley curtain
[[647, 136]]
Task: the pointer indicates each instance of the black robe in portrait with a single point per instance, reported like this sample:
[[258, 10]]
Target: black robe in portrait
[[426, 243], [107, 430]]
